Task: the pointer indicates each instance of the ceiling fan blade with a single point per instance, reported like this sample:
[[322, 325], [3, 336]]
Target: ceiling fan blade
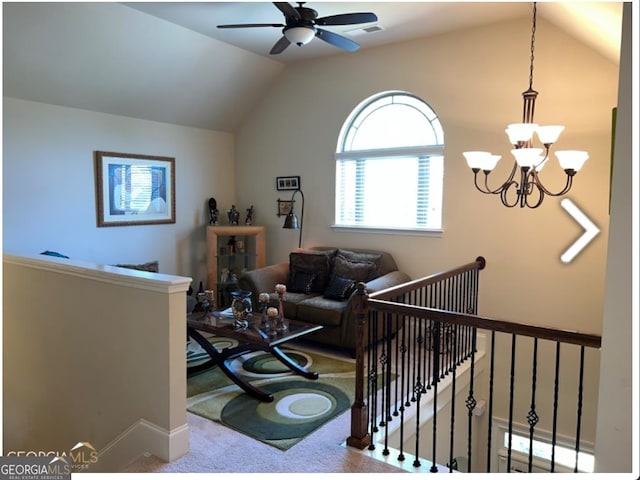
[[251, 25], [337, 40], [280, 46], [288, 10], [347, 19]]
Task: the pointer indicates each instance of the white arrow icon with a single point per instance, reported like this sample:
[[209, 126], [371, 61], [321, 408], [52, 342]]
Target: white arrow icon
[[590, 230]]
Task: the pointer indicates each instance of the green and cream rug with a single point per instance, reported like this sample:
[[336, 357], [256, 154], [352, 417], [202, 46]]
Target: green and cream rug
[[300, 406]]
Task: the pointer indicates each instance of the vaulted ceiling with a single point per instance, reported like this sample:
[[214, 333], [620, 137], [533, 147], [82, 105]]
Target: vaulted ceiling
[[169, 62]]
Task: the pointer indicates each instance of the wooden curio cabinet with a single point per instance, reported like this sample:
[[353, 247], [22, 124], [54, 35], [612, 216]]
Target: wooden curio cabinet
[[231, 250]]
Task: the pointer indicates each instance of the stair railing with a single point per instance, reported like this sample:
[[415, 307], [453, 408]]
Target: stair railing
[[431, 331]]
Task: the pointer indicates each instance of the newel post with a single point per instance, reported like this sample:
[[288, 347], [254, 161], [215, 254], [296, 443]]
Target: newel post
[[360, 437]]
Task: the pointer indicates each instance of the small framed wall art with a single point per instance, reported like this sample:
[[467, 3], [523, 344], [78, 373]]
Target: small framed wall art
[[134, 189], [288, 183], [284, 207]]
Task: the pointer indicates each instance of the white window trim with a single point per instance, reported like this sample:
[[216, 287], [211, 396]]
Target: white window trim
[[422, 232], [392, 152]]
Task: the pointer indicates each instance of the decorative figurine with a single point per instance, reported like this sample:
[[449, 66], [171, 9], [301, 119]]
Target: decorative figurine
[[234, 215], [231, 245], [249, 219], [213, 211]]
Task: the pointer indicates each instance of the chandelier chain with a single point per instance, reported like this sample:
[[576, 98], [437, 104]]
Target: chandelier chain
[[533, 46]]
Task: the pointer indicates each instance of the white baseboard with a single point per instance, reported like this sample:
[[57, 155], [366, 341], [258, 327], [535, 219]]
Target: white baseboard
[[140, 438]]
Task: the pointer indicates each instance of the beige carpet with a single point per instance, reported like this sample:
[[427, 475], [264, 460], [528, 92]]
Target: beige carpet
[[215, 448]]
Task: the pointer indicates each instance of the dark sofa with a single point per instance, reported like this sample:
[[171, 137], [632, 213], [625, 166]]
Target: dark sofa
[[321, 284]]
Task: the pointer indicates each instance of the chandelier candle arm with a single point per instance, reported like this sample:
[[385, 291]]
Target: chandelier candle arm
[[529, 160]]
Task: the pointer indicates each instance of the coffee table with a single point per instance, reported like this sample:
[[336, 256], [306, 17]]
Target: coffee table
[[251, 339]]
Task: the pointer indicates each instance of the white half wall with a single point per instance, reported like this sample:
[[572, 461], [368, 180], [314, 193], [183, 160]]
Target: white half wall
[[89, 352]]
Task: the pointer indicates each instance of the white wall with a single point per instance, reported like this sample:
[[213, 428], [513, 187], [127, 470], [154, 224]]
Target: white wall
[[618, 338], [473, 80], [49, 200]]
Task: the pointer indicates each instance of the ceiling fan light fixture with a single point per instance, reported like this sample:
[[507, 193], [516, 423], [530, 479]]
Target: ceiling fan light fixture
[[299, 35]]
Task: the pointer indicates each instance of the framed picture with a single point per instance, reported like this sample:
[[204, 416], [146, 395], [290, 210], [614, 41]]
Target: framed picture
[[134, 189], [284, 207], [287, 183]]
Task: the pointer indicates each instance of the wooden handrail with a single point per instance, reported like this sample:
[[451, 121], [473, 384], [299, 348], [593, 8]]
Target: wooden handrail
[[547, 333], [398, 290]]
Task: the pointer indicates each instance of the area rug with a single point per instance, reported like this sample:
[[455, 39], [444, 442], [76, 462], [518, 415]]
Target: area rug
[[300, 406]]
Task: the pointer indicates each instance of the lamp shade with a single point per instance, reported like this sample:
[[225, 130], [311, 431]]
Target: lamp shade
[[520, 132], [291, 221], [299, 35], [528, 157], [549, 134], [481, 160], [572, 159]]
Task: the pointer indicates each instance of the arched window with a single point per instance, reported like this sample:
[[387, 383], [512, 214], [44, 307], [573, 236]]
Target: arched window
[[389, 165]]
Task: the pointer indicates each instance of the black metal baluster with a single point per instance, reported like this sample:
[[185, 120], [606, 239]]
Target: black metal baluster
[[511, 383], [532, 416], [419, 387], [382, 359], [385, 360], [418, 394], [490, 414], [443, 301], [453, 409], [403, 383], [431, 304], [434, 421], [556, 385], [579, 414], [373, 373], [471, 402], [416, 325], [397, 401]]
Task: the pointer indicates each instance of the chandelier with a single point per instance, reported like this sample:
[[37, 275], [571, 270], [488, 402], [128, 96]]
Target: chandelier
[[529, 161]]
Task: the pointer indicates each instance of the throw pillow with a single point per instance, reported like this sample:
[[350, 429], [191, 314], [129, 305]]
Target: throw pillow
[[146, 267], [340, 288], [301, 282], [311, 261], [363, 257], [358, 271]]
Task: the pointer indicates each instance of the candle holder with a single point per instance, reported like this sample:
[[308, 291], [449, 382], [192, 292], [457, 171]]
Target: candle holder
[[272, 321], [281, 325], [241, 308], [263, 304]]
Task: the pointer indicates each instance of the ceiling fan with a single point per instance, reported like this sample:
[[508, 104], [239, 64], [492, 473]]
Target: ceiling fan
[[301, 25]]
